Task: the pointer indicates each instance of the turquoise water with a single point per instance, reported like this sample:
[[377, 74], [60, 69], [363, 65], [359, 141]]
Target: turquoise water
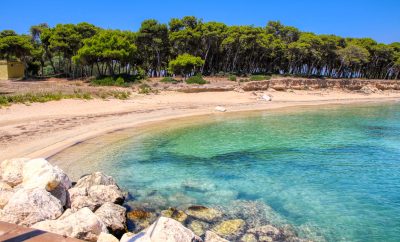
[[333, 172]]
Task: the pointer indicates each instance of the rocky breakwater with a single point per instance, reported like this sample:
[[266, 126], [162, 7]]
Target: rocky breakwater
[[36, 194]]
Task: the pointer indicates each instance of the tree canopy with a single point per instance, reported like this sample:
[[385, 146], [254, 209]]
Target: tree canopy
[[189, 45]]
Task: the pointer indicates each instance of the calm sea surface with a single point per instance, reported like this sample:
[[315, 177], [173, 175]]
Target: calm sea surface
[[331, 172]]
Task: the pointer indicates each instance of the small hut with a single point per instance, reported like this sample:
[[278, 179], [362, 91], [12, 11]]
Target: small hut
[[11, 70]]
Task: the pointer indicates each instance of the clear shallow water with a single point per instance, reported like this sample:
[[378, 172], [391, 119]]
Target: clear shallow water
[[333, 173]]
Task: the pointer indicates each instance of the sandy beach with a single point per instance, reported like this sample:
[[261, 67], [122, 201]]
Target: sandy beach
[[43, 129]]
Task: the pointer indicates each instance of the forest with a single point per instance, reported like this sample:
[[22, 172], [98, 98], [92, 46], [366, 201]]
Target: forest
[[189, 46]]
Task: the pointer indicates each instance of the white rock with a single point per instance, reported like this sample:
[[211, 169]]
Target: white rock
[[103, 237], [11, 171], [220, 109], [96, 178], [83, 202], [29, 206], [266, 97], [40, 173], [213, 237], [101, 194], [164, 229], [113, 216], [83, 224], [5, 193]]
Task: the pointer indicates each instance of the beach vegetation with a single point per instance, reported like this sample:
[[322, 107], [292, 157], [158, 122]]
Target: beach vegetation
[[188, 46], [197, 79]]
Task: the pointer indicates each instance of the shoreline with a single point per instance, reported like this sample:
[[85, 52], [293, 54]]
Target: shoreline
[[73, 121]]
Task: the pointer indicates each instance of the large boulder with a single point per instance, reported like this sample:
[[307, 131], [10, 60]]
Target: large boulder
[[29, 206], [11, 171], [230, 229], [113, 216], [94, 190], [213, 237], [96, 178], [164, 229], [6, 193], [40, 173], [83, 224], [101, 194], [204, 213]]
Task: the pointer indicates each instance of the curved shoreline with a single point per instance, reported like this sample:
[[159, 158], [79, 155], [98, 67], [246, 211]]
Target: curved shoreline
[[154, 109]]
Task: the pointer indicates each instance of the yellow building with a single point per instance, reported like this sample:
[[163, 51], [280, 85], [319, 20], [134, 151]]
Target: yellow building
[[11, 70]]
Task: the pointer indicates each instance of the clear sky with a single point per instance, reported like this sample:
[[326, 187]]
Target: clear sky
[[379, 19]]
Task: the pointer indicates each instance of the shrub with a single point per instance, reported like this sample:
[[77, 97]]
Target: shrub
[[122, 80], [145, 89], [232, 78], [259, 77], [198, 79], [169, 80]]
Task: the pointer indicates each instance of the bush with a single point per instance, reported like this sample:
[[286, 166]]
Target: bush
[[232, 78], [259, 77], [145, 89], [198, 79], [122, 80], [169, 80]]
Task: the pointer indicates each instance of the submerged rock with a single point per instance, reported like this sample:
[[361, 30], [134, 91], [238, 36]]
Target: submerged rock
[[248, 238], [204, 213], [213, 237], [83, 224], [164, 229], [113, 216], [267, 231], [11, 171], [140, 219], [230, 229], [198, 227], [29, 206], [176, 214]]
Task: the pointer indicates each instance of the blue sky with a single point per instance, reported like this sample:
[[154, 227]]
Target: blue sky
[[379, 19]]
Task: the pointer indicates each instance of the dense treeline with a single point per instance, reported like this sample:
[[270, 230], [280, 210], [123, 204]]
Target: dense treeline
[[158, 49]]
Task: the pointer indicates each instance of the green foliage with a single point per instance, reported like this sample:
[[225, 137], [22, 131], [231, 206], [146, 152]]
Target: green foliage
[[169, 80], [188, 45], [120, 80], [146, 89], [232, 78], [185, 64], [6, 100], [259, 77], [198, 79]]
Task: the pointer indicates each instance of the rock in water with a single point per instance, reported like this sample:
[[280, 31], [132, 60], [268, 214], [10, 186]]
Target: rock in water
[[83, 224], [204, 213], [166, 230], [213, 237], [220, 109], [113, 216], [267, 231], [29, 206], [248, 238], [174, 213], [96, 178], [11, 171], [230, 229], [101, 194]]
